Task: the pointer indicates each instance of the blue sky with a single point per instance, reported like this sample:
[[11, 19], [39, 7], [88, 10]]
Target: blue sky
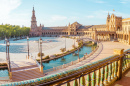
[[61, 12]]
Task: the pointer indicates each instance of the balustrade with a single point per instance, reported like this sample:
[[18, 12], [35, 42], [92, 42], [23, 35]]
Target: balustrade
[[103, 72], [73, 62]]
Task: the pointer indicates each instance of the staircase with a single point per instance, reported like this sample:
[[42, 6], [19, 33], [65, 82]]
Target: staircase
[[26, 73]]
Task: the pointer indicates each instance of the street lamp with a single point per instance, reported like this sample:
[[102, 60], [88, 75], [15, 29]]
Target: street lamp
[[8, 44], [78, 55], [10, 73], [28, 45], [41, 68], [65, 43], [6, 47], [74, 41]]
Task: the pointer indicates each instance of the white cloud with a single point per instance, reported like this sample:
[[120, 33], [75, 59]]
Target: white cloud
[[124, 1], [90, 16], [58, 18], [97, 1], [6, 6]]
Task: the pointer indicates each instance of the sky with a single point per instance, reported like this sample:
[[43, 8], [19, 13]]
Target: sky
[[61, 12]]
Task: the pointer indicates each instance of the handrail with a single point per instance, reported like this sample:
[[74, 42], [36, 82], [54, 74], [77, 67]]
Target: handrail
[[100, 69], [36, 62], [73, 62]]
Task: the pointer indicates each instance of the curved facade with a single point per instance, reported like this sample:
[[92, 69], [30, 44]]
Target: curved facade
[[108, 31]]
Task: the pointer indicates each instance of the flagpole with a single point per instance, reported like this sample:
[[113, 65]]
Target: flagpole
[[113, 11]]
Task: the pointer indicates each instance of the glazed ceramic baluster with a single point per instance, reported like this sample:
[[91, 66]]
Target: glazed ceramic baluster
[[75, 82], [68, 84], [93, 79], [106, 74], [88, 80], [116, 68], [98, 78], [102, 77], [82, 81], [109, 73], [127, 62], [113, 66], [124, 64]]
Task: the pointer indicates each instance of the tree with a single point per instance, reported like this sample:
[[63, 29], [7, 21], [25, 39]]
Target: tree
[[8, 30]]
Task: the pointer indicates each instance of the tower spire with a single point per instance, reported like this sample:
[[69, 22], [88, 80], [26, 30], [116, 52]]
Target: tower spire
[[108, 15], [33, 19], [33, 7]]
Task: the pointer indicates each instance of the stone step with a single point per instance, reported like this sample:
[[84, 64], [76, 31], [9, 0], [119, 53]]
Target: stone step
[[26, 74], [21, 78], [22, 68]]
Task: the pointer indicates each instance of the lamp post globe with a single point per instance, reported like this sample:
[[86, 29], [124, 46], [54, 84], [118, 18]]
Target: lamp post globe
[[27, 38], [5, 39], [40, 40]]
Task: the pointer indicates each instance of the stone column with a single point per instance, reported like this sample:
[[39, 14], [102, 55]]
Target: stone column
[[123, 37], [114, 36], [119, 71]]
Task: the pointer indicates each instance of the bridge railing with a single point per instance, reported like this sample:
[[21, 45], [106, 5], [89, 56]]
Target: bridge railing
[[34, 59], [102, 72], [72, 62]]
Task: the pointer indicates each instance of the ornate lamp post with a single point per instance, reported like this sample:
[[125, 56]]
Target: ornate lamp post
[[41, 68], [74, 41], [8, 59], [28, 45], [78, 55], [8, 44], [6, 47], [65, 43]]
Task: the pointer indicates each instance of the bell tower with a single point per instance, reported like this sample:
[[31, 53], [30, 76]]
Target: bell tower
[[108, 21], [33, 21]]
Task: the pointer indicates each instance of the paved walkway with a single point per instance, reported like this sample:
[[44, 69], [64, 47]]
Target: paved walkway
[[125, 80]]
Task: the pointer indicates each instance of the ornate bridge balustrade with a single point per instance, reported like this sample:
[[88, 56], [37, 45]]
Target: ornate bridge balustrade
[[103, 72]]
